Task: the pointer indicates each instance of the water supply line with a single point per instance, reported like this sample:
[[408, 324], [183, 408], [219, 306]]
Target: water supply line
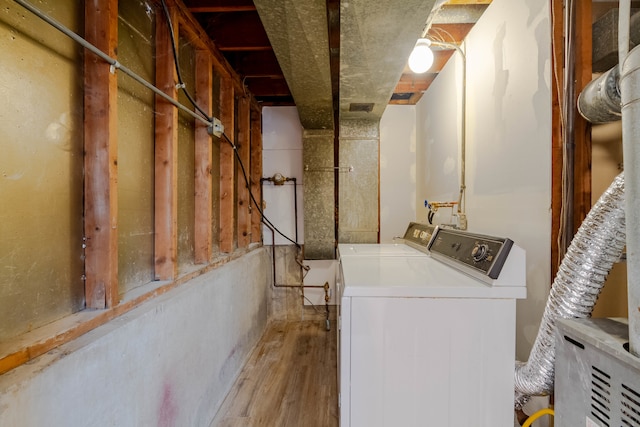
[[462, 216], [278, 179], [596, 246]]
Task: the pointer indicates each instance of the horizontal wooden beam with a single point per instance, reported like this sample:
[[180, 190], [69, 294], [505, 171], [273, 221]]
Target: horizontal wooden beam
[[41, 340], [219, 5], [221, 9], [268, 86], [237, 31], [450, 33], [414, 83], [245, 48], [255, 63]]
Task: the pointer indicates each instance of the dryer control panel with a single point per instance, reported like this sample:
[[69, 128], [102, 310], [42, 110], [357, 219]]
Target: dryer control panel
[[482, 256], [419, 235]]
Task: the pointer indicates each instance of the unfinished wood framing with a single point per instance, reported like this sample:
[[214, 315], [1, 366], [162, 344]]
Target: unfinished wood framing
[[100, 187], [203, 161], [100, 162], [556, 132], [582, 140], [166, 155], [227, 166], [256, 175], [244, 152], [582, 171]]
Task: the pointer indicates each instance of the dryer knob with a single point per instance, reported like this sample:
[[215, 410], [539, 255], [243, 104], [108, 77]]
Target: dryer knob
[[480, 252]]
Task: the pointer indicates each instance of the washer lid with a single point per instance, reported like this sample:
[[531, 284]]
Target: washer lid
[[416, 277], [377, 249]]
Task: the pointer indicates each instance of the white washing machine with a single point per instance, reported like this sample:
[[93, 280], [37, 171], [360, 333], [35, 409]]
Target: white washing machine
[[430, 341], [413, 243]]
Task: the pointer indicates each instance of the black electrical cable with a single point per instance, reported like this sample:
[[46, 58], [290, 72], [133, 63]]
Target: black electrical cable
[[246, 180], [210, 119], [177, 64]]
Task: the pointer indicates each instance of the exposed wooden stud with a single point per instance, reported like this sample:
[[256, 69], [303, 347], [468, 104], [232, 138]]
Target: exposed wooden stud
[[582, 176], [256, 174], [556, 131], [582, 136], [166, 155], [101, 182], [227, 166], [203, 160], [100, 162], [244, 151]]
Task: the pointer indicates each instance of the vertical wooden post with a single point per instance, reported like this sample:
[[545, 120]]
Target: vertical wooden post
[[101, 153], [244, 151], [227, 165], [583, 69], [256, 174], [166, 155], [556, 130], [582, 131], [203, 160]]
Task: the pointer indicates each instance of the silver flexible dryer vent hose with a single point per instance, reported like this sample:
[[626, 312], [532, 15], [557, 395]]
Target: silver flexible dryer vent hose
[[596, 246]]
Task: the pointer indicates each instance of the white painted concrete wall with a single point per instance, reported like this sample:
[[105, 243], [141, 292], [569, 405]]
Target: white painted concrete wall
[[169, 362], [397, 170], [508, 141]]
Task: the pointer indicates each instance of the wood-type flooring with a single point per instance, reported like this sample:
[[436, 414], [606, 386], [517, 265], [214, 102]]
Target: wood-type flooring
[[288, 381]]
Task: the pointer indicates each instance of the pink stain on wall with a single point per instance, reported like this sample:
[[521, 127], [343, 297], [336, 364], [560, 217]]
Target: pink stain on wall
[[168, 408]]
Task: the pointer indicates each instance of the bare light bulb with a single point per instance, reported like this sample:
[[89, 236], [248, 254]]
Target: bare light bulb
[[421, 58]]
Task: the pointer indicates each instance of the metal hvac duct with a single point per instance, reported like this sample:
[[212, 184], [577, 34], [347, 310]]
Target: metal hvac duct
[[599, 101], [596, 246]]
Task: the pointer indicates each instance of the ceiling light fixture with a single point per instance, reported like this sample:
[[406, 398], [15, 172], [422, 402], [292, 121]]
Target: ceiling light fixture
[[421, 58]]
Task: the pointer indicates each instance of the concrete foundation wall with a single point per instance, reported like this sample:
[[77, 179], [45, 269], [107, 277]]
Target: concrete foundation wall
[[169, 362]]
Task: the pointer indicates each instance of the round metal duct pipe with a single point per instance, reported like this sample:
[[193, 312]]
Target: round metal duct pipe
[[600, 102], [630, 85]]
